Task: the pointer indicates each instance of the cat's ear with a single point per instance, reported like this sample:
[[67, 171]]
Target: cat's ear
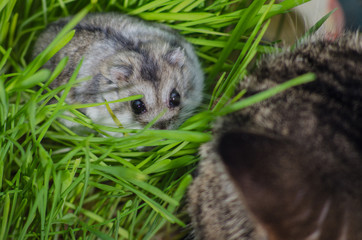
[[274, 186], [251, 155]]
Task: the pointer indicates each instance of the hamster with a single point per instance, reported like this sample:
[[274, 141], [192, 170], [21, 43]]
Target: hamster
[[289, 167], [128, 56]]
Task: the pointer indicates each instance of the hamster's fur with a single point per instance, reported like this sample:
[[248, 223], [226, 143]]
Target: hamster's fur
[[289, 167], [128, 56]]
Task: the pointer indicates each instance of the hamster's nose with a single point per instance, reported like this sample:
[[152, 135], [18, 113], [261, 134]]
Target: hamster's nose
[[161, 124]]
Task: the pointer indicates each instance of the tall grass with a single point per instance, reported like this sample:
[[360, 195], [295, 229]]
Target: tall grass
[[57, 184]]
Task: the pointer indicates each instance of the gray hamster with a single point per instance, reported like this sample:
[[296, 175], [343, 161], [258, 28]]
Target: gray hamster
[[128, 56], [289, 167]]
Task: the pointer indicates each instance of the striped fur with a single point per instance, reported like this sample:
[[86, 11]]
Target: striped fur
[[289, 167]]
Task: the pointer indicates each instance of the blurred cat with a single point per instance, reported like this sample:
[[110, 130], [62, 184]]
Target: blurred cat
[[290, 167]]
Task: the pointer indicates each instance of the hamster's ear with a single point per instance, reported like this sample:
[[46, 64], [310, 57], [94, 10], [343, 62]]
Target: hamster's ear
[[176, 57], [117, 73], [273, 184]]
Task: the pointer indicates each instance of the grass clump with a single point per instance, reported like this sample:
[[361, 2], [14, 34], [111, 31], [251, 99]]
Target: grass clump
[[57, 184]]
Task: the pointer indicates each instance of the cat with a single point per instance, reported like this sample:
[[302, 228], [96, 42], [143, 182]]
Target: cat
[[289, 167]]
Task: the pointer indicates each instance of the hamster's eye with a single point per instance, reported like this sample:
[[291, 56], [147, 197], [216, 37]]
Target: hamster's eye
[[138, 107], [174, 99]]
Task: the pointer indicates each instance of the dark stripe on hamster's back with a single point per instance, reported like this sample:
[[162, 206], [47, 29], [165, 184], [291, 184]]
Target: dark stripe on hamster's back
[[59, 24], [149, 67], [108, 33]]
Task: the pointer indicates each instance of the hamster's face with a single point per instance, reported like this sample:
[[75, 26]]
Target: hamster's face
[[165, 78]]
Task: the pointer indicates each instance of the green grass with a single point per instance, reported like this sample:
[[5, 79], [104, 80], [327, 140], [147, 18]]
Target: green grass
[[57, 184]]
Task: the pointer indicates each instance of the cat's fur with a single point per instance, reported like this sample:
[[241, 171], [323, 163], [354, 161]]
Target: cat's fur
[[128, 56], [290, 167]]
